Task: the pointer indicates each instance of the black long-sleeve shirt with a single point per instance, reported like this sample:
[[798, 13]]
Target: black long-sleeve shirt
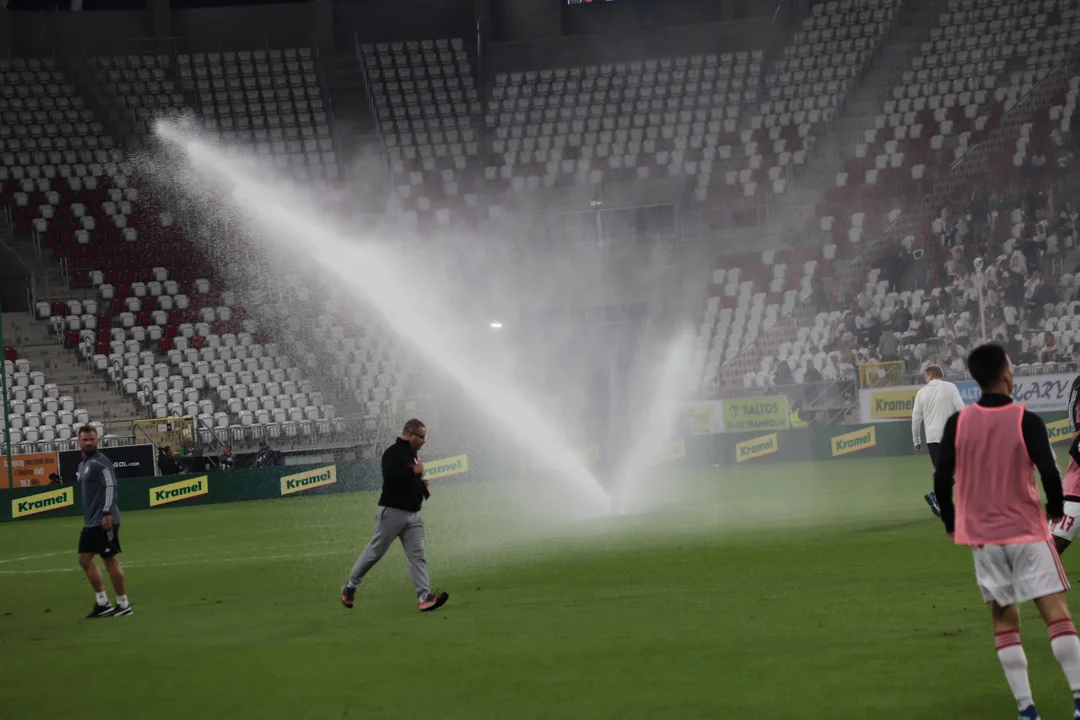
[[403, 488], [1074, 453], [1039, 450]]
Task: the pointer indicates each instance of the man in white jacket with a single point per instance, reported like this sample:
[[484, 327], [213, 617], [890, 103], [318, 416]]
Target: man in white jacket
[[934, 405]]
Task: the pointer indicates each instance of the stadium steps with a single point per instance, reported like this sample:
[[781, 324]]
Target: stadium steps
[[794, 209], [35, 342], [354, 122]]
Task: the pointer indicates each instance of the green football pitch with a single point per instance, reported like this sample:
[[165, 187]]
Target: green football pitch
[[822, 590]]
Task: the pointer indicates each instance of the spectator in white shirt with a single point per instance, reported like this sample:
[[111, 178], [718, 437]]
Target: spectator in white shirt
[[832, 371], [1018, 263]]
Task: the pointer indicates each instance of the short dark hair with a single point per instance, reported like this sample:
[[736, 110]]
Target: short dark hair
[[987, 363], [935, 371], [87, 429], [412, 426]]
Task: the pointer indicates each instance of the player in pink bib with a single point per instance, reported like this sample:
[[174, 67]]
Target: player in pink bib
[[993, 449], [1066, 529]]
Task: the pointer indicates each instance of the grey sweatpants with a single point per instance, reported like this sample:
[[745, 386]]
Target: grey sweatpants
[[391, 524]]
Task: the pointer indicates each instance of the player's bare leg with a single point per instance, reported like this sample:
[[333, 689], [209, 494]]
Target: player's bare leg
[[1061, 544], [102, 606], [86, 562], [1010, 652], [1063, 641], [116, 575]]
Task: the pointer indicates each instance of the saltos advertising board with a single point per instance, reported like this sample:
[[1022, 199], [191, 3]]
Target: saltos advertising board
[[759, 414], [129, 461], [1039, 393]]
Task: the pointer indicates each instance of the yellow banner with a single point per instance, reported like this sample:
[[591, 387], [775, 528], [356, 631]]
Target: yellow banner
[[42, 502], [758, 447], [669, 453], [698, 418], [756, 414], [177, 491], [457, 465], [319, 477], [881, 375], [1059, 431], [892, 404], [854, 441]]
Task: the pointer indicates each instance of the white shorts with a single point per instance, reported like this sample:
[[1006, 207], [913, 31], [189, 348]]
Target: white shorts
[[1069, 527], [1009, 574]]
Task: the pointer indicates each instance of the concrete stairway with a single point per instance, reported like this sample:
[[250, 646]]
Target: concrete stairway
[[35, 342], [354, 122], [912, 28], [790, 212]]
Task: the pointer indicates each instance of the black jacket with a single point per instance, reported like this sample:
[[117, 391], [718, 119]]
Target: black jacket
[[402, 488]]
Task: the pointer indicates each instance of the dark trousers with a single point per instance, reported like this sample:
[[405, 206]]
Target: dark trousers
[[934, 449]]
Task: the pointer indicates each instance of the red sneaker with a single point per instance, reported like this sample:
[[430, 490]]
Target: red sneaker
[[347, 596], [433, 601]]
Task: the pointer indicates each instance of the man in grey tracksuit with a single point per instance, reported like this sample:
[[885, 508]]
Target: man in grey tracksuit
[[398, 516], [101, 529]]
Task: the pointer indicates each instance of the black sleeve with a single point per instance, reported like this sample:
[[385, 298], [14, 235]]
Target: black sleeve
[[1042, 454], [943, 474], [1074, 405]]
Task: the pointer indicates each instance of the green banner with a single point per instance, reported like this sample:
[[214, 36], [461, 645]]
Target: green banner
[[203, 489], [839, 442]]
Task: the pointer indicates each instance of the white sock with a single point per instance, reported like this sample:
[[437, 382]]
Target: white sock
[[122, 601], [101, 598], [1014, 663], [1066, 647]]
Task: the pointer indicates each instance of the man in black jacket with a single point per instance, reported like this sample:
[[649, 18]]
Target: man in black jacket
[[403, 492]]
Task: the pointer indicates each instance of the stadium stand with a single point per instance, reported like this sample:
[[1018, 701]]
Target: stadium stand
[[427, 109], [807, 86], [984, 94], [948, 105], [270, 100], [1022, 226], [620, 121], [39, 414], [160, 325], [49, 396]]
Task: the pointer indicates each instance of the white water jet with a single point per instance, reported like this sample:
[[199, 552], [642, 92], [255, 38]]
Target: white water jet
[[382, 278], [636, 487]]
